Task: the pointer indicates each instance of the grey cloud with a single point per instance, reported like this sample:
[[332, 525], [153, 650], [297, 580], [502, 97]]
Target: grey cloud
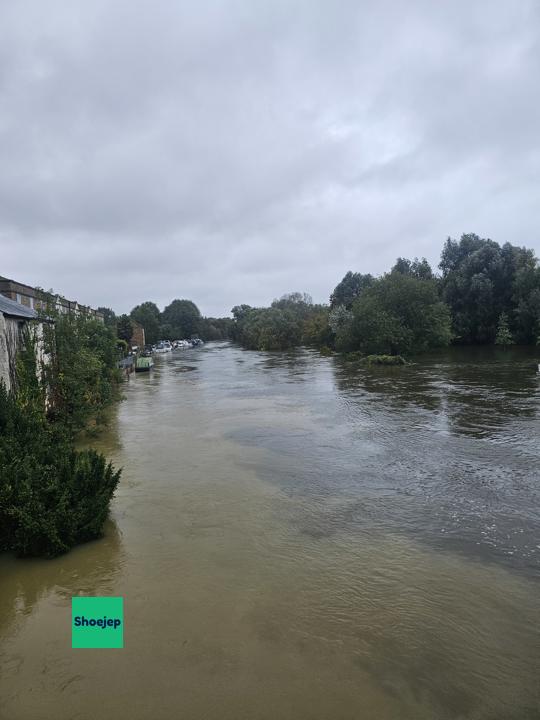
[[232, 151]]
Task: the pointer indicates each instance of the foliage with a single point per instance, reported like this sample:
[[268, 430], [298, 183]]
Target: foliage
[[51, 496], [340, 321], [504, 336], [109, 316], [420, 269], [124, 328], [80, 377], [215, 328], [316, 330], [288, 322], [181, 319], [148, 315], [349, 289], [481, 280], [384, 360], [398, 314], [122, 346]]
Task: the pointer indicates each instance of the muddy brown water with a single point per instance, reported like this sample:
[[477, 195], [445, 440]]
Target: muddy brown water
[[299, 537]]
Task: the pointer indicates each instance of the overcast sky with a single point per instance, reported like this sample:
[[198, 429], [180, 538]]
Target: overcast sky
[[230, 152]]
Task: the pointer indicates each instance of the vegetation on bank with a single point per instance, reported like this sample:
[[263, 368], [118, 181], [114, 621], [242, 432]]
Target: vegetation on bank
[[53, 496], [180, 319], [291, 321], [484, 294]]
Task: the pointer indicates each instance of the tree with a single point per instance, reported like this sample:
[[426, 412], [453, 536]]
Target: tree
[[124, 328], [288, 322], [183, 318], [350, 288], [316, 330], [51, 495], [81, 377], [481, 280], [504, 336], [109, 316], [148, 315], [215, 328], [420, 269], [398, 314]]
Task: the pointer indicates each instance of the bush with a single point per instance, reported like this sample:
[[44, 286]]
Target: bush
[[385, 360], [81, 377], [397, 314], [51, 496]]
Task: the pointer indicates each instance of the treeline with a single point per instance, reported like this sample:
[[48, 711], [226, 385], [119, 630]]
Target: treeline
[[483, 294], [179, 320], [53, 496], [293, 320]]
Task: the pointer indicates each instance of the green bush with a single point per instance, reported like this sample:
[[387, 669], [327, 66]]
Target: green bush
[[81, 377], [51, 496]]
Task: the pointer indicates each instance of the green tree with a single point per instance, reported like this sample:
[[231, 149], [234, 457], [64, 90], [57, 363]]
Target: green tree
[[81, 376], [316, 330], [504, 336], [215, 328], [481, 280], [183, 318], [51, 496], [399, 314], [148, 315], [278, 327], [109, 316], [420, 269], [124, 328], [350, 288]]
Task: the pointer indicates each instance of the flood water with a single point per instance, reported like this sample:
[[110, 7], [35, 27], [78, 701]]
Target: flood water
[[297, 537]]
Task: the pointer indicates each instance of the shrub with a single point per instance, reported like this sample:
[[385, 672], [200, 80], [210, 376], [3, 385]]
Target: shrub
[[385, 360], [51, 496]]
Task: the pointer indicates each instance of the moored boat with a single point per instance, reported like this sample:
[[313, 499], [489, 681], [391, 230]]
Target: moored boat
[[144, 364]]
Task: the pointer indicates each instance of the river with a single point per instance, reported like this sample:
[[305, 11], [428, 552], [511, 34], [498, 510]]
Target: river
[[297, 537]]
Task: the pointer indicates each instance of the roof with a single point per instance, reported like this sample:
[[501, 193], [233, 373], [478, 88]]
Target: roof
[[15, 309]]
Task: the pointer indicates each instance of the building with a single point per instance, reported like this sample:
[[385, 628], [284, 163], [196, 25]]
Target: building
[[138, 337], [14, 317], [37, 299]]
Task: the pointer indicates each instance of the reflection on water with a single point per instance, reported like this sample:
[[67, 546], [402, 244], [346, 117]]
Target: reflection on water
[[302, 537]]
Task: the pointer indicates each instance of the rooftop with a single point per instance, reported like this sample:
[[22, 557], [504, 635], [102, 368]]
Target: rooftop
[[15, 309]]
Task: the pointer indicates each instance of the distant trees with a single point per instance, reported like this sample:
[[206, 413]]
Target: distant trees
[[109, 316], [148, 315], [349, 289], [484, 293], [480, 280], [215, 328], [420, 269], [290, 321], [399, 313], [181, 319], [395, 314], [503, 336], [124, 328]]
